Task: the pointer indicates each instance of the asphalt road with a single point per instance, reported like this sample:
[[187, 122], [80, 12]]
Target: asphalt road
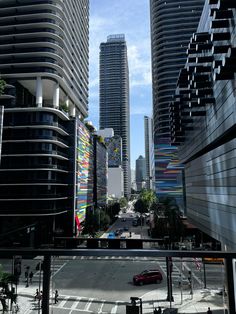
[[104, 279]]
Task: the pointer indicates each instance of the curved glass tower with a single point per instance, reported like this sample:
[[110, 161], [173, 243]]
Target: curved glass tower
[[44, 62], [172, 24]]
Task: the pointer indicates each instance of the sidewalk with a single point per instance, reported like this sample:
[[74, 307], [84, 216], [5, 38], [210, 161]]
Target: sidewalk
[[196, 303]]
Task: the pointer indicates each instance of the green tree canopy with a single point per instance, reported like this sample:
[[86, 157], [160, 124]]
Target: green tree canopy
[[148, 198], [139, 206], [123, 202], [168, 220]]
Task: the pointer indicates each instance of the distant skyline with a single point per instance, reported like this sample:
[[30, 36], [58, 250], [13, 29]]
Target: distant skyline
[[109, 17]]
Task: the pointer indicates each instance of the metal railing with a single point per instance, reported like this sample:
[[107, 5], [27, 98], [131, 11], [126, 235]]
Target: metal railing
[[87, 250]]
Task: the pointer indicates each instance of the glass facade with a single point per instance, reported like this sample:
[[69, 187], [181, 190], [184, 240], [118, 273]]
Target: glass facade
[[204, 123]]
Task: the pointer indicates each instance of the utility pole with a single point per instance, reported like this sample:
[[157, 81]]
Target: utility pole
[[169, 267]]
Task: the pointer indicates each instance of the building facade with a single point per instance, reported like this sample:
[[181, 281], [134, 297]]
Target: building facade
[[172, 24], [1, 128], [114, 96], [115, 182], [100, 171], [149, 153], [203, 123], [140, 173], [44, 62]]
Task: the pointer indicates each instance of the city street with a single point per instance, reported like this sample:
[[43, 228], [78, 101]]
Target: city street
[[104, 284]]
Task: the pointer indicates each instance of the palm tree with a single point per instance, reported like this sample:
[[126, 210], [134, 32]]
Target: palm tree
[[172, 213]]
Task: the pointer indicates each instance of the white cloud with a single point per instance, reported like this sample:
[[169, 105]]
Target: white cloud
[[139, 65], [94, 82]]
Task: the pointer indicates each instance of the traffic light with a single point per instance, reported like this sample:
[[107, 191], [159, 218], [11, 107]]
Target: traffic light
[[17, 266]]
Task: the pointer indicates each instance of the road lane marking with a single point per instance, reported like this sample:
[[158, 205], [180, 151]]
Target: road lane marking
[[100, 308], [63, 302], [87, 306], [74, 305], [194, 276], [114, 309]]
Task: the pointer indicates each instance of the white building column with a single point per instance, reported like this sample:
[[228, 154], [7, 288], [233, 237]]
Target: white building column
[[67, 102], [39, 92], [56, 96], [72, 110]]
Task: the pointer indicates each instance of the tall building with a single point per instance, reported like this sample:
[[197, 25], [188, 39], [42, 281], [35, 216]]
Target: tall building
[[149, 155], [140, 173], [172, 24], [115, 182], [203, 123], [1, 128], [44, 61], [114, 96]]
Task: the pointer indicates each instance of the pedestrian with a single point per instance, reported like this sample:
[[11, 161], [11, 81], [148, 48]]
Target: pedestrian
[[56, 297], [155, 311], [180, 280], [36, 296], [31, 276], [209, 311]]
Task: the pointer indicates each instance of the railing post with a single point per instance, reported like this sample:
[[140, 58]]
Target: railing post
[[230, 284], [46, 284]]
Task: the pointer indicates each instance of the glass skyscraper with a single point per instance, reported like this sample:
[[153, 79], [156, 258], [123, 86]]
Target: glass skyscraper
[[172, 24], [114, 96]]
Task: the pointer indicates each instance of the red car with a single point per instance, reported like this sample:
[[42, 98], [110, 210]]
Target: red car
[[148, 276]]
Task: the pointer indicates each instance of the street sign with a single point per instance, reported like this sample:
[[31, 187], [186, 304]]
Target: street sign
[[213, 260]]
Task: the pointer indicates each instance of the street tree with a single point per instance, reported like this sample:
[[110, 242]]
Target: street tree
[[123, 202], [148, 198], [139, 206], [168, 220]]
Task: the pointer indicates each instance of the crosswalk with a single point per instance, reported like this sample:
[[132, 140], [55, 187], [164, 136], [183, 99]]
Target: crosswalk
[[89, 305]]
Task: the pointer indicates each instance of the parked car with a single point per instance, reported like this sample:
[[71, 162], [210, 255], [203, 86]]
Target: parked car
[[118, 232], [148, 276], [111, 235], [135, 222]]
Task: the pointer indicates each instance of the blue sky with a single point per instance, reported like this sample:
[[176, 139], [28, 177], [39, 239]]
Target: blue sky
[[129, 17]]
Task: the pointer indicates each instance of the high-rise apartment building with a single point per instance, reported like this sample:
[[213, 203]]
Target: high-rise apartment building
[[140, 173], [149, 155], [114, 96], [172, 24], [44, 62]]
